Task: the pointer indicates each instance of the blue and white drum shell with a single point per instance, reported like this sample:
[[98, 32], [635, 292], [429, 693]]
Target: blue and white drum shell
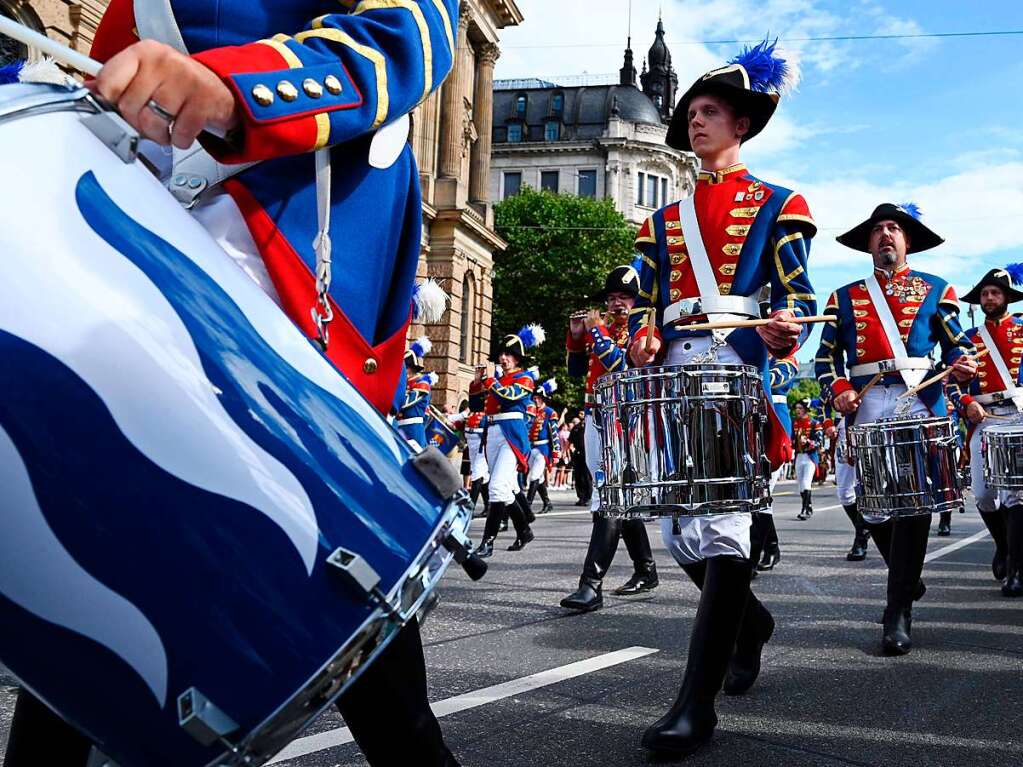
[[1002, 451], [178, 463]]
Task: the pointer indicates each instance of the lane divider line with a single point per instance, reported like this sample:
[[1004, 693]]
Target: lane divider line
[[939, 553], [342, 735]]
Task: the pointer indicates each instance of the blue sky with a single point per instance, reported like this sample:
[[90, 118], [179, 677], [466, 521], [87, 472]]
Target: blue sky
[[934, 121]]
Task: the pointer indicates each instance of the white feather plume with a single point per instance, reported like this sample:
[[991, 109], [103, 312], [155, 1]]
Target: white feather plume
[[45, 71], [429, 302]]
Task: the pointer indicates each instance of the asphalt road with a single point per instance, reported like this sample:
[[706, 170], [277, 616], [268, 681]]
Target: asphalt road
[[520, 681]]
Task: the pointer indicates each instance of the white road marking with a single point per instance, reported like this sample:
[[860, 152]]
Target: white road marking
[[939, 553], [342, 735]]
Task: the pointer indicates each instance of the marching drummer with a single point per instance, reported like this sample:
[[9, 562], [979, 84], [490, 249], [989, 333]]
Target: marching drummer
[[545, 447], [710, 255], [997, 391], [506, 400], [411, 419], [596, 345], [475, 427], [887, 327], [807, 437]]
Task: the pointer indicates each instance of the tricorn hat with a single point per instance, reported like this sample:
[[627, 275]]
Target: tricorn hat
[[417, 350], [753, 82], [547, 388], [519, 343], [621, 279], [907, 215], [1001, 278]]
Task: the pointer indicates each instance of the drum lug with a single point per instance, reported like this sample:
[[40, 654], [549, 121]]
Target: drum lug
[[360, 575], [201, 719], [115, 133], [458, 543]]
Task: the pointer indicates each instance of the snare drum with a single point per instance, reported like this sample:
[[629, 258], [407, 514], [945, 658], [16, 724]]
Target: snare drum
[[1003, 455], [685, 440], [206, 531], [907, 466]]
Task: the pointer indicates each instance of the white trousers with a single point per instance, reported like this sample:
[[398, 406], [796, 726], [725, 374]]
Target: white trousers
[[845, 472], [594, 457], [504, 472], [717, 534], [988, 498], [537, 467], [478, 468], [806, 469], [881, 402], [775, 476]]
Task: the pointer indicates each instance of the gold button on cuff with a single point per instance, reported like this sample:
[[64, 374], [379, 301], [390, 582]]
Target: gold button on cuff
[[263, 95], [287, 90], [333, 84], [312, 88], [369, 367]]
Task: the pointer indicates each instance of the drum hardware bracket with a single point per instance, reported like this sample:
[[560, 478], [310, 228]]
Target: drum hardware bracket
[[359, 574], [458, 543], [200, 718], [115, 133]]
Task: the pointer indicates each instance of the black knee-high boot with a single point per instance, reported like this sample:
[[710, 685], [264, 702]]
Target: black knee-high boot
[[644, 570], [945, 524], [490, 529], [1013, 586], [909, 547], [475, 489], [690, 722], [531, 493], [858, 552], [521, 517], [485, 492], [807, 510], [599, 554], [541, 488], [882, 535], [771, 551], [525, 507], [995, 522]]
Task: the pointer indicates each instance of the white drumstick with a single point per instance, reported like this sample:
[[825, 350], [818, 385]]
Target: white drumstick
[[60, 52]]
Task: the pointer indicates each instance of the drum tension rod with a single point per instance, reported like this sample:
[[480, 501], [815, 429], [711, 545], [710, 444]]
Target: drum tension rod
[[360, 575], [201, 719]]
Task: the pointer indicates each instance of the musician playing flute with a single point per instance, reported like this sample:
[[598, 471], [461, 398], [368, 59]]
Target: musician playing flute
[[705, 257], [596, 346], [889, 324], [997, 391]]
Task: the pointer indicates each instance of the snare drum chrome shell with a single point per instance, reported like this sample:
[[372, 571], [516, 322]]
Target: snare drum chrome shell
[[685, 440], [1002, 451], [907, 466]]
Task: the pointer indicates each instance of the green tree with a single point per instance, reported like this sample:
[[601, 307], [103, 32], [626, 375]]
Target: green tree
[[560, 250], [805, 389]]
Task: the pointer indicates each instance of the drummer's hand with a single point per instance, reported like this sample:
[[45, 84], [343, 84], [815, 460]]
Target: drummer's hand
[[149, 70], [638, 352], [847, 402], [594, 319], [964, 369], [780, 332], [975, 412]]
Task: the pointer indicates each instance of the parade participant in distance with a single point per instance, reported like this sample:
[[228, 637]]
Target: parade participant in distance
[[545, 447], [889, 324], [997, 391], [411, 418], [596, 348], [806, 440], [736, 234], [505, 401]]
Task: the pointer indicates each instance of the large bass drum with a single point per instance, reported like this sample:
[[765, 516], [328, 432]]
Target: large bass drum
[[683, 440], [206, 531], [907, 466]]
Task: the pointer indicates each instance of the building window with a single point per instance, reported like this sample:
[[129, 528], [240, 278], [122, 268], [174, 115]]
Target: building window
[[520, 105], [550, 180], [466, 336], [557, 104], [514, 133], [651, 191], [588, 183], [664, 192], [640, 189], [512, 184], [552, 131]]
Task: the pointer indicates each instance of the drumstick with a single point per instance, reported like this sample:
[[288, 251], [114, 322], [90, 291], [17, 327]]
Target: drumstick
[[868, 387], [733, 324], [651, 316], [63, 54], [940, 377]]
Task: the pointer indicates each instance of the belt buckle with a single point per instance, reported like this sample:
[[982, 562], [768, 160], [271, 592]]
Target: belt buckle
[[886, 366]]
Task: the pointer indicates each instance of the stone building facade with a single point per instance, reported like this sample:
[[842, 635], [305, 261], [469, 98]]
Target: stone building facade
[[602, 141], [451, 136]]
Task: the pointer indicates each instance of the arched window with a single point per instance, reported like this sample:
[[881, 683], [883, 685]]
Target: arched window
[[466, 335], [557, 104], [520, 105]]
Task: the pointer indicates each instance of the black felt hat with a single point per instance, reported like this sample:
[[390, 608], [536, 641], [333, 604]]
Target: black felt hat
[[621, 279], [906, 215], [1000, 278]]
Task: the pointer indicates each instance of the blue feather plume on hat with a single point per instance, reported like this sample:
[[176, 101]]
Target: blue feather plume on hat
[[11, 73], [531, 336], [768, 71], [912, 209], [1015, 273]]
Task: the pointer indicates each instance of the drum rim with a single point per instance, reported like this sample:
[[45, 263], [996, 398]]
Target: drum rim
[[267, 735], [43, 98]]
